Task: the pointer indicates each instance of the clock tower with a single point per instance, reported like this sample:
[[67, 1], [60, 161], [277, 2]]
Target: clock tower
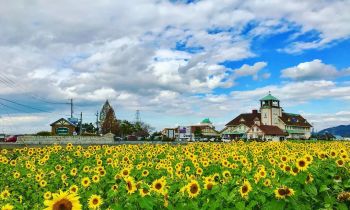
[[270, 110]]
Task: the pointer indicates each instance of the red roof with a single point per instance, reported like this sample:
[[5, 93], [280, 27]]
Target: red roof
[[271, 130], [247, 117]]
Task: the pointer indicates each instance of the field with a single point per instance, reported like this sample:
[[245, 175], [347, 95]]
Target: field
[[287, 175]]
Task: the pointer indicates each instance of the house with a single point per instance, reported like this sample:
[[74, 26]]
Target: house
[[294, 126], [63, 127]]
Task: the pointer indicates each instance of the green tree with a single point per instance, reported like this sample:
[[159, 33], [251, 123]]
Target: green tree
[[198, 133]]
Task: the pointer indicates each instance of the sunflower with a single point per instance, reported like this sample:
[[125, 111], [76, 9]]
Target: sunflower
[[145, 173], [340, 163], [43, 183], [158, 185], [63, 201], [267, 182], [284, 159], [47, 195], [5, 194], [74, 189], [95, 201], [144, 191], [287, 168], [226, 174], [301, 164], [130, 185], [16, 175], [85, 182], [283, 192], [125, 172], [115, 187], [74, 171], [193, 189], [199, 171], [262, 173], [245, 189], [7, 207], [209, 185], [96, 178]]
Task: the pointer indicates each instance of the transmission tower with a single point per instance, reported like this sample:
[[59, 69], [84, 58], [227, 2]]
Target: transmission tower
[[137, 116]]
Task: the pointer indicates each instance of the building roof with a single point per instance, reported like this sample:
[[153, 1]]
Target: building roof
[[248, 119], [294, 120], [206, 120], [269, 97], [62, 120], [271, 130]]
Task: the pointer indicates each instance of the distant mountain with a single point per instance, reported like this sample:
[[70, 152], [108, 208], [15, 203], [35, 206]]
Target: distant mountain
[[341, 130]]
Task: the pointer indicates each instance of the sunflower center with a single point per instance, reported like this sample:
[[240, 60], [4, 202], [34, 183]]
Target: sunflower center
[[210, 186], [129, 185], [194, 189], [63, 204], [282, 192], [158, 186], [301, 163], [95, 201], [125, 173], [244, 189], [145, 191]]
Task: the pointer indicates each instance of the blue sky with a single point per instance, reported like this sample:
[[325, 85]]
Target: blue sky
[[176, 61]]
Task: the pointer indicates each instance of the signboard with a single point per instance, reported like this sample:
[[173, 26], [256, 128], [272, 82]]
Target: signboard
[[62, 131], [185, 132]]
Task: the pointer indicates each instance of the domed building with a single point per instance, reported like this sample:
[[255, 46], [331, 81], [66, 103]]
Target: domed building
[[270, 123], [205, 129]]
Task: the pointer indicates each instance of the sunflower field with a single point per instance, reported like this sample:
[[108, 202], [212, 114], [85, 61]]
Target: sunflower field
[[278, 175]]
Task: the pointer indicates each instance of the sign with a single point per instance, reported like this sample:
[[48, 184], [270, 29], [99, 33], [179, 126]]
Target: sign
[[62, 131], [185, 132]]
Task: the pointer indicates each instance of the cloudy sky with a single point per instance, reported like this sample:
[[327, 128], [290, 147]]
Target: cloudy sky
[[176, 61]]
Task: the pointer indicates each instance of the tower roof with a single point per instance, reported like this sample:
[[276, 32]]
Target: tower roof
[[269, 97], [206, 120]]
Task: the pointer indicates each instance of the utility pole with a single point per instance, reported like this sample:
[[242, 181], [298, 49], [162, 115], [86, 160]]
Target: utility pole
[[71, 108], [97, 126], [81, 123]]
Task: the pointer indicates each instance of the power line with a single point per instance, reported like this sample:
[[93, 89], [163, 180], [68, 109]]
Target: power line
[[12, 84], [23, 105], [10, 107]]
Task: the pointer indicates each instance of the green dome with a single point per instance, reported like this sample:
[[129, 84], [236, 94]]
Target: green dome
[[269, 97], [206, 120]]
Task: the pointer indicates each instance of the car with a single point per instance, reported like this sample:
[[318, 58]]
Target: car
[[225, 140], [11, 138], [117, 138]]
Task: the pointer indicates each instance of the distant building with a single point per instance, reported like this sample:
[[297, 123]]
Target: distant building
[[271, 123], [63, 127], [205, 128], [171, 133]]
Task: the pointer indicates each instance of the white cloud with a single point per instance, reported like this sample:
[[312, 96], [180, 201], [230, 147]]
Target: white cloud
[[247, 70], [313, 70], [102, 49]]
